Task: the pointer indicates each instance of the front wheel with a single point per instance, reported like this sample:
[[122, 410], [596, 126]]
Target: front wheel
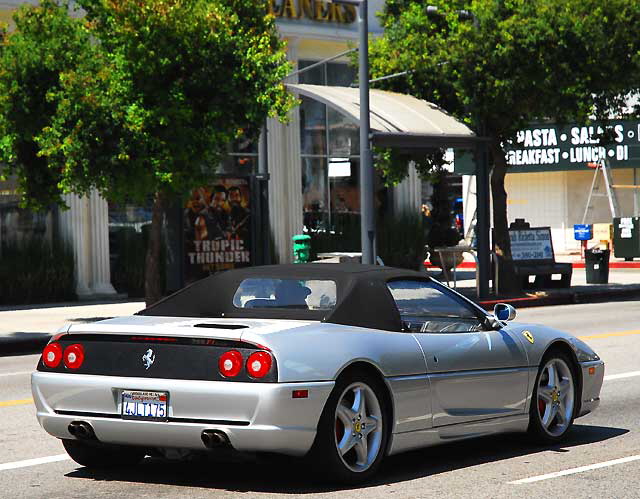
[[353, 431], [554, 399], [97, 455]]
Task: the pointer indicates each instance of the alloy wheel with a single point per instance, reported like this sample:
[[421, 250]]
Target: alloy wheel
[[556, 398], [358, 427]]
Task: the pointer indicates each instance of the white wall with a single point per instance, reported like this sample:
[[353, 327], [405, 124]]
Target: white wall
[[541, 199], [559, 199]]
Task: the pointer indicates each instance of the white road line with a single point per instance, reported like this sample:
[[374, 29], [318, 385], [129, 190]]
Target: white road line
[[33, 462], [16, 373], [572, 471], [622, 375]]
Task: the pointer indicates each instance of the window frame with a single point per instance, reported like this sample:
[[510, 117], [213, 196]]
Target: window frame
[[479, 313], [287, 308]]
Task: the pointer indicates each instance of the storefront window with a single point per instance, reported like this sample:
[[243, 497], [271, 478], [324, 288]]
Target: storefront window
[[330, 162], [344, 175], [313, 127], [343, 136], [340, 74], [242, 159], [315, 194], [129, 224], [19, 226]]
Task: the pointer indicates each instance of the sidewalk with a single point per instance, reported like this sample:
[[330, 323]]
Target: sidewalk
[[623, 282], [27, 328]]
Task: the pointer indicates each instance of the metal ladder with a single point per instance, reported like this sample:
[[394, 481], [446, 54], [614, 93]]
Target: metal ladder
[[603, 165]]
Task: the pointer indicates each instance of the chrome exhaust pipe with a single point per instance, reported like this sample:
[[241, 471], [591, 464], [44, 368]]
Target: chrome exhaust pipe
[[81, 430], [213, 439]]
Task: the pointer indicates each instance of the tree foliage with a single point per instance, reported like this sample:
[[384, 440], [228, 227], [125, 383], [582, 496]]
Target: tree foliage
[[135, 97], [519, 61], [174, 83], [46, 42]]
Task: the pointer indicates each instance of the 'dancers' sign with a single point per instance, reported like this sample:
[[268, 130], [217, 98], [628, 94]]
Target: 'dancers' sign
[[315, 10]]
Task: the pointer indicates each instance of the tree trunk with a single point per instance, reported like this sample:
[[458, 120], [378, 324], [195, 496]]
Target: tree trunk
[[506, 279], [152, 278]]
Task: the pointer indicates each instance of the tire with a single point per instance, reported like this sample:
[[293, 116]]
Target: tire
[[353, 431], [553, 402], [97, 455]]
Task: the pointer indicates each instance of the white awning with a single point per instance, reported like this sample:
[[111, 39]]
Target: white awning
[[397, 120]]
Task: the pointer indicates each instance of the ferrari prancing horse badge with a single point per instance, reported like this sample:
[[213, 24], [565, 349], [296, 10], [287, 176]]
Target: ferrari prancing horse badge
[[528, 336]]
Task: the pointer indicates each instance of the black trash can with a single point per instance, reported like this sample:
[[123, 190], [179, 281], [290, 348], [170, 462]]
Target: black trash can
[[597, 265]]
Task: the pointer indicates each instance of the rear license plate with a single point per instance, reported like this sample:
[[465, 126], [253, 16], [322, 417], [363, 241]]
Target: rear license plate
[[150, 406]]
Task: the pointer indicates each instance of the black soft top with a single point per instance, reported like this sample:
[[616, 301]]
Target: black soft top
[[363, 298]]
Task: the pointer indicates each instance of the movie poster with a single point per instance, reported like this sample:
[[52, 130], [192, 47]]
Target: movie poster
[[217, 228]]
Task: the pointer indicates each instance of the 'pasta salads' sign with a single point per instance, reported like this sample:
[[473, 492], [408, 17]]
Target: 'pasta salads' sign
[[548, 147]]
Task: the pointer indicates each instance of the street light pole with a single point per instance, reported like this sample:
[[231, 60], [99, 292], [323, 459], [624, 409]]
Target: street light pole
[[367, 214], [367, 210]]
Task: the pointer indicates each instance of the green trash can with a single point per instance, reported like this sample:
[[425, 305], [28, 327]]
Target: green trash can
[[301, 248], [597, 265]]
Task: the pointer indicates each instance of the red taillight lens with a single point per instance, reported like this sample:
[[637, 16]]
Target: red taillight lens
[[230, 363], [259, 364], [74, 356], [52, 355]]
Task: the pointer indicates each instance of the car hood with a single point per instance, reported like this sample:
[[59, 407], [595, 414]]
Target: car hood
[[545, 336]]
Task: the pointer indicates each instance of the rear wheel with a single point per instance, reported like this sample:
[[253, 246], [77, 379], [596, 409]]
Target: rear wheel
[[554, 399], [353, 431], [97, 455]]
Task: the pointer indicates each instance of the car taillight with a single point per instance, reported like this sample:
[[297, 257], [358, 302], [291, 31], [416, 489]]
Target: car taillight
[[230, 363], [259, 364], [74, 356], [52, 355]]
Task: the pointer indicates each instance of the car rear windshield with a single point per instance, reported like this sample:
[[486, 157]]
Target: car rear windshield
[[305, 294]]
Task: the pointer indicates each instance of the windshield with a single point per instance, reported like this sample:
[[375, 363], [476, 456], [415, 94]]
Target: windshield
[[306, 294]]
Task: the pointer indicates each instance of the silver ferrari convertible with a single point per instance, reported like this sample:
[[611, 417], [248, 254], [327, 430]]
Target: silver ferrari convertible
[[345, 364]]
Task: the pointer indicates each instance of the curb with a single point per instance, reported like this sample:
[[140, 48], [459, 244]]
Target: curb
[[467, 265], [23, 343], [564, 298]]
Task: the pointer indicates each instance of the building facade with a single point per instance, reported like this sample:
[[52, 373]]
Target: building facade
[[313, 165]]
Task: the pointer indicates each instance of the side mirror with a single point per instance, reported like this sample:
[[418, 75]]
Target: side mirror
[[504, 312]]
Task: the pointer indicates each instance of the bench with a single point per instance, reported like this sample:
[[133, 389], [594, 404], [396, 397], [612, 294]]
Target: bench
[[533, 257]]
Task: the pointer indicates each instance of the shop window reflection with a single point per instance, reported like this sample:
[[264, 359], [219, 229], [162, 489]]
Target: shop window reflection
[[330, 161], [344, 185], [315, 194], [313, 127], [343, 134]]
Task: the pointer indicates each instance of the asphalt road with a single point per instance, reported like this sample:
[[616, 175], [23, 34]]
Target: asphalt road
[[606, 443]]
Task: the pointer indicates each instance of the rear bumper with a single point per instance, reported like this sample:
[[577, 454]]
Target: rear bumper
[[255, 416], [592, 377]]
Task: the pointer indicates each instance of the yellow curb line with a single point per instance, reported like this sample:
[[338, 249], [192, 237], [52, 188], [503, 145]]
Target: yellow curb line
[[9, 403], [609, 335]]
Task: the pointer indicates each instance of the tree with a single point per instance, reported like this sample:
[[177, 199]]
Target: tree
[[45, 43], [519, 61], [167, 87]]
